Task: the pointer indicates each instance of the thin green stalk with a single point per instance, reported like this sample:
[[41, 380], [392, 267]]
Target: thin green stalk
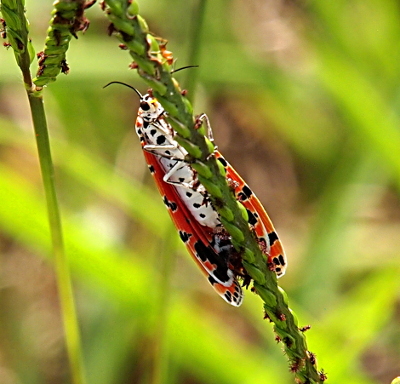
[[17, 30], [199, 12], [154, 69], [160, 366], [61, 263], [165, 263]]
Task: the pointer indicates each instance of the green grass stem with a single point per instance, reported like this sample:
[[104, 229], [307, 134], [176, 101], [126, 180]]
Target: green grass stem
[[64, 284], [17, 32]]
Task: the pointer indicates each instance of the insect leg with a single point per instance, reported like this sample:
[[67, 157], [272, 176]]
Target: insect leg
[[203, 118]]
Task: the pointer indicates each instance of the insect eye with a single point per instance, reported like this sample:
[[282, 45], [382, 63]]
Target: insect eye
[[144, 106]]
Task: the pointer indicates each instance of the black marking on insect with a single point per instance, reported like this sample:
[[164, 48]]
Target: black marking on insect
[[228, 296], [207, 255], [247, 191], [272, 236], [185, 236], [170, 204], [252, 218], [223, 161], [160, 139]]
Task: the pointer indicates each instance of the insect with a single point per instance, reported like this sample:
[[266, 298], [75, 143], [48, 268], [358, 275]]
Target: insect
[[191, 210]]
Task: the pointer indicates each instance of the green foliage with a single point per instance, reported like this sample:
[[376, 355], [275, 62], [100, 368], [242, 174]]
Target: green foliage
[[304, 102]]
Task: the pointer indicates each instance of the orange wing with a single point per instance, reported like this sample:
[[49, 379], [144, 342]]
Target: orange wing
[[259, 220]]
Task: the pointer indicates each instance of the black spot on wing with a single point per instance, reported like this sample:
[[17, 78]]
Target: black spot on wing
[[241, 196], [247, 191], [151, 169], [170, 204], [207, 253], [222, 161], [145, 123], [185, 236], [153, 131], [252, 218], [279, 260], [160, 139], [196, 205], [272, 236], [189, 194], [228, 296]]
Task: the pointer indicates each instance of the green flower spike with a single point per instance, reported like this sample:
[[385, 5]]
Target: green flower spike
[[152, 62]]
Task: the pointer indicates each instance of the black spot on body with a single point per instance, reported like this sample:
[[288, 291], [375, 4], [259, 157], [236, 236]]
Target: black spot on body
[[144, 106], [160, 139], [145, 123]]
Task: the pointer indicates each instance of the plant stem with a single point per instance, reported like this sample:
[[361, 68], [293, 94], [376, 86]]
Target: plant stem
[[17, 28], [61, 264], [153, 66], [159, 373]]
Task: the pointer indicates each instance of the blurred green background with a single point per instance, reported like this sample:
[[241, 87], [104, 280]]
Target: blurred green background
[[304, 100]]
